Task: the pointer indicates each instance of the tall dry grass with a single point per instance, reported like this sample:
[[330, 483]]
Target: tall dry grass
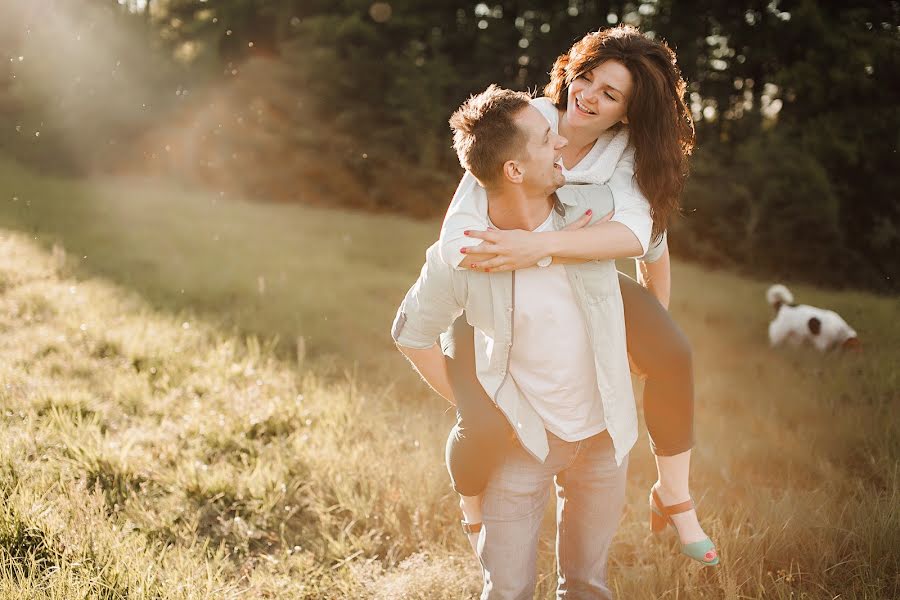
[[155, 444]]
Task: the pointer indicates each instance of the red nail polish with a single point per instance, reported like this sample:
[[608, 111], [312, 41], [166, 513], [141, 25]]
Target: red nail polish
[[465, 233], [589, 212], [463, 250]]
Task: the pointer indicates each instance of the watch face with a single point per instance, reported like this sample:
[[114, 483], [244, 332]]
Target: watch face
[[545, 262]]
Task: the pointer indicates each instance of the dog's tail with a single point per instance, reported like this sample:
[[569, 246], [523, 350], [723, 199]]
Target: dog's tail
[[778, 295]]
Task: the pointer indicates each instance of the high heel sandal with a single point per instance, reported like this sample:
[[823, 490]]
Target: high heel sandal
[[703, 551]]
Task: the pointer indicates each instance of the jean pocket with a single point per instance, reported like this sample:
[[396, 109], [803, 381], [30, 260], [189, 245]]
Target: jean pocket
[[515, 490]]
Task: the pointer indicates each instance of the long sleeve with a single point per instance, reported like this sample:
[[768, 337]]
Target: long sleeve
[[430, 305], [611, 162], [467, 210], [632, 208]]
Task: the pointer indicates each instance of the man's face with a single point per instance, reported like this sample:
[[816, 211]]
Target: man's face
[[540, 164], [598, 99]]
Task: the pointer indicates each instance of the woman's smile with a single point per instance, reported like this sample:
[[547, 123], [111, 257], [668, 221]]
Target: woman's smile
[[581, 107]]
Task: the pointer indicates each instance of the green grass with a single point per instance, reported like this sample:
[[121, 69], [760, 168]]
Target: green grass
[[332, 276], [160, 444]]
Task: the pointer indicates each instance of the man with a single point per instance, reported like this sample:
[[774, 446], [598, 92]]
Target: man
[[564, 385]]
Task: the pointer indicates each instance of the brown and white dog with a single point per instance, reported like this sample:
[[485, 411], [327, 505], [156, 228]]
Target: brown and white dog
[[798, 323]]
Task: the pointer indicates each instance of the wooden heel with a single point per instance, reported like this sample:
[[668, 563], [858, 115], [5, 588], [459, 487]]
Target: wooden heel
[[657, 521]]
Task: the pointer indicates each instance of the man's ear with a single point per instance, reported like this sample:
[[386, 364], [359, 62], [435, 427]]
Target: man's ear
[[512, 171]]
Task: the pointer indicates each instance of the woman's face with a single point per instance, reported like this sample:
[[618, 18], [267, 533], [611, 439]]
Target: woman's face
[[598, 99]]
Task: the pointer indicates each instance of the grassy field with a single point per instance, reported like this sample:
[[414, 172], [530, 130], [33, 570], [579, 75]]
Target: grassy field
[[273, 270], [159, 437]]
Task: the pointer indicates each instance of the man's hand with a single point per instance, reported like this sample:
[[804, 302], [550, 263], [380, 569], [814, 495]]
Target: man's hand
[[515, 248]]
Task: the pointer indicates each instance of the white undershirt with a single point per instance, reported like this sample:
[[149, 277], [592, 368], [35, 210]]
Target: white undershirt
[[551, 359]]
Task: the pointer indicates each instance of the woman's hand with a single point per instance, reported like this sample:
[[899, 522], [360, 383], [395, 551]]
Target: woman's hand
[[516, 248], [512, 249]]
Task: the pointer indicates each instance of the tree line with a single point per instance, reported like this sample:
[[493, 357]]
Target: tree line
[[795, 103]]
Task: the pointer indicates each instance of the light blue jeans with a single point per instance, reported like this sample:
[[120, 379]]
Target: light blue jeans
[[590, 496]]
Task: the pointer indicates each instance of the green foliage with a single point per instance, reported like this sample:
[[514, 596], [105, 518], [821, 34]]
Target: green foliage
[[832, 67], [768, 209], [350, 99]]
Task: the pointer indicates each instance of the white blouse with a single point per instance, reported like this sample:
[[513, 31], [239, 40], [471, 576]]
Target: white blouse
[[610, 161]]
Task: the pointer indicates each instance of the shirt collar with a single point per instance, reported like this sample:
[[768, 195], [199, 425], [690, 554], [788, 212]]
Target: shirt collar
[[566, 195]]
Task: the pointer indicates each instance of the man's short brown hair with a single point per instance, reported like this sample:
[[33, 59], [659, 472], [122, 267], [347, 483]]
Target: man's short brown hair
[[485, 134]]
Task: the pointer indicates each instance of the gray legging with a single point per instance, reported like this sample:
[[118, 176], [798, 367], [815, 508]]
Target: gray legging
[[658, 348]]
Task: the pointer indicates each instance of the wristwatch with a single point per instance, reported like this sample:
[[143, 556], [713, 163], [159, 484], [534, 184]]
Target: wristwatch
[[545, 262]]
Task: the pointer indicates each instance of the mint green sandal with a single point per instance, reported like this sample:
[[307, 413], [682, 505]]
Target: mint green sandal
[[703, 551]]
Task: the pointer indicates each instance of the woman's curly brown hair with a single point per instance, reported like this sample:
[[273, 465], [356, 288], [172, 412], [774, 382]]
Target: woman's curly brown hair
[[661, 126]]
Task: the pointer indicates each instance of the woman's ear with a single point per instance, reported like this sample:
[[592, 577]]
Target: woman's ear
[[512, 171], [625, 120]]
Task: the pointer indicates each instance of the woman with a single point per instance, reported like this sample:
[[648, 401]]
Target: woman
[[617, 96]]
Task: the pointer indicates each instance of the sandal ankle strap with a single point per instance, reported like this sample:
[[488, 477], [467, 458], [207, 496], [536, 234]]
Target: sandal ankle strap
[[470, 528], [672, 509]]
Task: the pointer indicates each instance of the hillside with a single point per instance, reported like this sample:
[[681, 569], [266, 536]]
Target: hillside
[[160, 444]]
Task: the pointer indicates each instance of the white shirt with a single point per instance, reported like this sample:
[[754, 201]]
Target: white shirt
[[551, 359], [443, 292]]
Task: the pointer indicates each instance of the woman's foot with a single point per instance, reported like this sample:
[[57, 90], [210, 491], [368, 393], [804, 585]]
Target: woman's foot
[[686, 523], [683, 517]]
